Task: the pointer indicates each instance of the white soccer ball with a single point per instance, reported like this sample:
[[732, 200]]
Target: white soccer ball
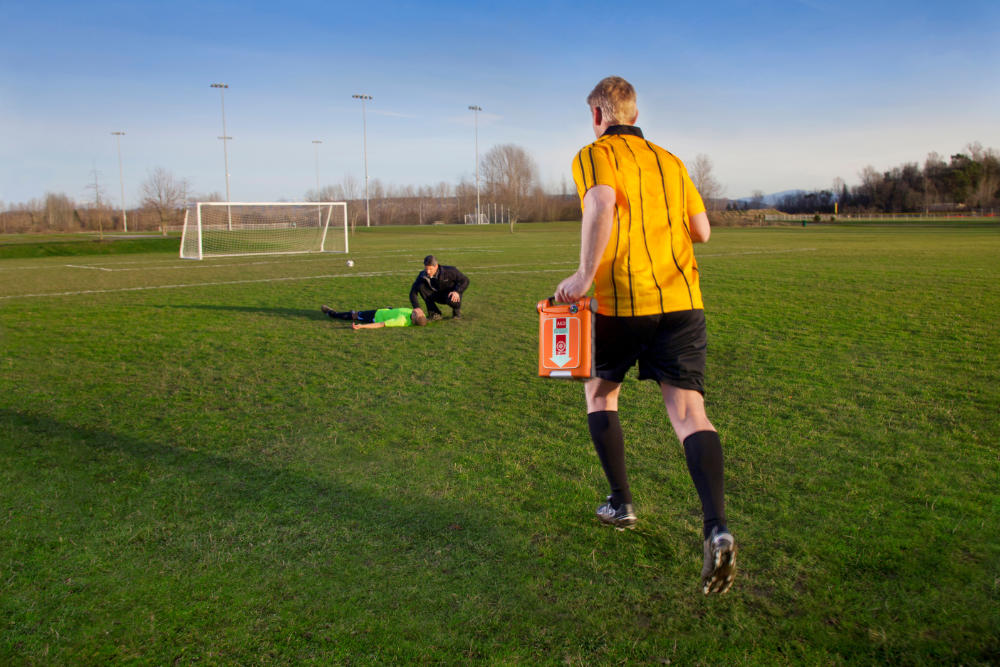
[[350, 262]]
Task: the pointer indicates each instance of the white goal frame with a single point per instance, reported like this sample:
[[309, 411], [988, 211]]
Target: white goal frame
[[311, 237]]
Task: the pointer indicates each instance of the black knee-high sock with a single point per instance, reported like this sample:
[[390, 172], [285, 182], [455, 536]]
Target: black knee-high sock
[[606, 432], [703, 451]]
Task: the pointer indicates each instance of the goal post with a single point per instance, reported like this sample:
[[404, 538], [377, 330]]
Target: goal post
[[221, 229]]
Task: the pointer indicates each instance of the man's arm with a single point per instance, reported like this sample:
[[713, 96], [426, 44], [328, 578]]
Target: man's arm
[[373, 325], [461, 283], [700, 227], [598, 218], [415, 292]]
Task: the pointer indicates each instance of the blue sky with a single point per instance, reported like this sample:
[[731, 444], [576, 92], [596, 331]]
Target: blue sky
[[780, 95]]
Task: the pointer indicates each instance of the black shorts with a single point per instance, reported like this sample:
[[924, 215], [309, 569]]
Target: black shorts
[[670, 348]]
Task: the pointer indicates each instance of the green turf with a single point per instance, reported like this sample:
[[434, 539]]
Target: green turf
[[197, 466], [24, 246]]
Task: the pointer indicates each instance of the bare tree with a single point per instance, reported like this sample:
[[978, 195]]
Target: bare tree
[[870, 182], [350, 187], [35, 208], [58, 211], [349, 184], [163, 194], [510, 175], [984, 193], [985, 188], [707, 185], [976, 151], [327, 193]]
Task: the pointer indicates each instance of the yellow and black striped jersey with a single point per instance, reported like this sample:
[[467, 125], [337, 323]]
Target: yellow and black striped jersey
[[648, 266]]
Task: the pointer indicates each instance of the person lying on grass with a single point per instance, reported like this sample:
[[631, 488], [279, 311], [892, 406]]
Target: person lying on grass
[[380, 317]]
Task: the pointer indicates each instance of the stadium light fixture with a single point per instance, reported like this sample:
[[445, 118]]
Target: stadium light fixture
[[475, 109], [364, 126], [121, 179], [225, 150]]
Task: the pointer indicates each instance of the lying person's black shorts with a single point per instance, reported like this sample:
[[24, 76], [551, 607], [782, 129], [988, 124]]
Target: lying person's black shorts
[[670, 348]]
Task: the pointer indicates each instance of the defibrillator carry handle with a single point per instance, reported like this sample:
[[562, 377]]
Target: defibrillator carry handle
[[591, 303]]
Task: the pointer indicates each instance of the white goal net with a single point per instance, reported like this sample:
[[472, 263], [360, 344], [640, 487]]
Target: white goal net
[[473, 219], [220, 229]]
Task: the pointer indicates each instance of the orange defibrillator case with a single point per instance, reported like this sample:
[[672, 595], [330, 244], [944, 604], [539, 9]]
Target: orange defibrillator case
[[566, 339]]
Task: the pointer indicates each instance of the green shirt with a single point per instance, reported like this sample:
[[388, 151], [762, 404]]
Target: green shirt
[[394, 317]]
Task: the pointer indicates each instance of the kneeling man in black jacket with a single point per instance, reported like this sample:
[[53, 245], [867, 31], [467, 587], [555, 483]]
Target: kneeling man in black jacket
[[439, 284]]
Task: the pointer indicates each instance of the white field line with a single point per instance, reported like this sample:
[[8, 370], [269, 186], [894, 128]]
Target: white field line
[[93, 268], [183, 285], [500, 268], [754, 252], [210, 264]]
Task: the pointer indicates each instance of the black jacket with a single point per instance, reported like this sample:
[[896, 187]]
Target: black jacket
[[446, 279]]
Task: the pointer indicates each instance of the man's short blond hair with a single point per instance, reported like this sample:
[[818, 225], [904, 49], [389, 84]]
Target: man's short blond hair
[[615, 97]]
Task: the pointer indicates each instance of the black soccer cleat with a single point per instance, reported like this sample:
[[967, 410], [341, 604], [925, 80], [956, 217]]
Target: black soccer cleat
[[719, 569], [434, 317], [621, 518], [326, 309]]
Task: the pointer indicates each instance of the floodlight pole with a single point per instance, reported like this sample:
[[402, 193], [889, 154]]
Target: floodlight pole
[[475, 109], [225, 151], [364, 126], [316, 143], [319, 210], [121, 178]]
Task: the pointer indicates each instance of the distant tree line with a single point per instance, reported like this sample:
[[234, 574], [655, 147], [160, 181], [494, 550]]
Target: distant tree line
[[509, 191], [967, 181], [163, 198]]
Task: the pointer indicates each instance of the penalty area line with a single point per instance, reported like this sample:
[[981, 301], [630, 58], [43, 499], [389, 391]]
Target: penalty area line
[[92, 268], [328, 276], [183, 285], [502, 269], [489, 269], [754, 252]]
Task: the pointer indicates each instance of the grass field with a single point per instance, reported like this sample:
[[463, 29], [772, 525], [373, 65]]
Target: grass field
[[197, 466]]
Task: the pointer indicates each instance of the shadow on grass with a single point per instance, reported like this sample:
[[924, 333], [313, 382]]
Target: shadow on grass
[[214, 486], [143, 524], [313, 314], [286, 313]]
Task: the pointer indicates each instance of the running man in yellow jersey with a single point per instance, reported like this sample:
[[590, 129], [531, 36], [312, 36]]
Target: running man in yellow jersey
[[641, 217]]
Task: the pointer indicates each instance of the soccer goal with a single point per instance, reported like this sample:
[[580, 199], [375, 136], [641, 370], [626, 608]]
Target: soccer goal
[[220, 229], [473, 219]]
